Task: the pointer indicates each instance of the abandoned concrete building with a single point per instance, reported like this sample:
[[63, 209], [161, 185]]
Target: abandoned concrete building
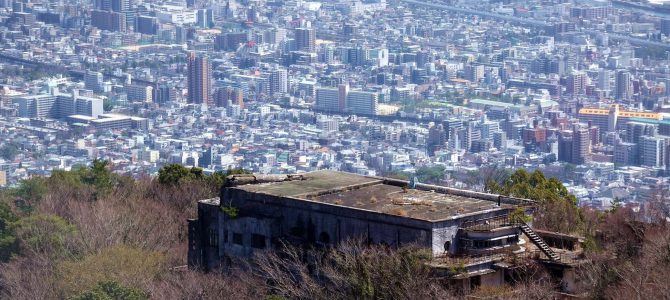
[[472, 230]]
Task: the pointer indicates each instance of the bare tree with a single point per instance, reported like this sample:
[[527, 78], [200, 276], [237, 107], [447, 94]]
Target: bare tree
[[27, 278], [196, 285], [350, 270], [288, 273]]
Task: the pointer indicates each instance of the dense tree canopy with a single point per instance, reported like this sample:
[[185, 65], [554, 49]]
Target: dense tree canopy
[[557, 208], [8, 244], [432, 175], [425, 174], [534, 186], [9, 151], [47, 235], [174, 174]]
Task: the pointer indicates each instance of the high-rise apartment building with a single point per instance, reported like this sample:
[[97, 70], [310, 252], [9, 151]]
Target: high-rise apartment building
[[604, 80], [205, 18], [57, 106], [437, 138], [305, 39], [652, 151], [327, 99], [279, 81], [581, 145], [474, 73], [108, 20], [576, 83], [624, 85], [343, 91], [565, 146], [199, 79], [665, 26], [636, 130], [121, 5], [146, 25], [360, 102], [93, 81], [626, 154], [113, 5], [229, 94], [140, 93]]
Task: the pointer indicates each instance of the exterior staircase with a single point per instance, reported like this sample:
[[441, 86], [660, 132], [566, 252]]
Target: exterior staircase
[[539, 242]]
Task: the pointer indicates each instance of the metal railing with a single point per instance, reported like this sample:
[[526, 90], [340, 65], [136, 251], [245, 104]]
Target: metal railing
[[489, 224], [564, 257], [464, 261], [468, 260]]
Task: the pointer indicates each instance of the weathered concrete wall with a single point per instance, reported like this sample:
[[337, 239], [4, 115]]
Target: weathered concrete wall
[[321, 223], [315, 222], [264, 218], [208, 217], [569, 281], [203, 252], [195, 256], [246, 227], [447, 231], [444, 232], [492, 279]]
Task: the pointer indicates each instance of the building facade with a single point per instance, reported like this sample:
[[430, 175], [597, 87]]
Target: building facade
[[327, 207], [199, 79]]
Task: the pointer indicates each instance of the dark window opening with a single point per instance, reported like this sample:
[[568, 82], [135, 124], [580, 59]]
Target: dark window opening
[[237, 238], [311, 232], [225, 236], [324, 238], [475, 282], [447, 246], [487, 244], [258, 241], [297, 231]]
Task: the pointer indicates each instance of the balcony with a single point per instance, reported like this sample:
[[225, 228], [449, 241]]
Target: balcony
[[490, 224]]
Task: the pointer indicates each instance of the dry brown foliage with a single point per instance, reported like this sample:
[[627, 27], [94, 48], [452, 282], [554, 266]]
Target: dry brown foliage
[[142, 215], [633, 261], [353, 270], [148, 221]]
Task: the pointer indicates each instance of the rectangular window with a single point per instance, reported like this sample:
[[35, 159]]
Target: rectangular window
[[258, 241], [237, 238]]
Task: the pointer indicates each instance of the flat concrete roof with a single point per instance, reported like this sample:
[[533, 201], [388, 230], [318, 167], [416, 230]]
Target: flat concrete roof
[[319, 181], [375, 194]]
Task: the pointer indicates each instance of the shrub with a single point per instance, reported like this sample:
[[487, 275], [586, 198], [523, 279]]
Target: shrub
[[8, 244], [48, 235], [129, 266], [111, 290]]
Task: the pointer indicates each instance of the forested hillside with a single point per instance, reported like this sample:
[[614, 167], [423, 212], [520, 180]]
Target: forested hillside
[[92, 234]]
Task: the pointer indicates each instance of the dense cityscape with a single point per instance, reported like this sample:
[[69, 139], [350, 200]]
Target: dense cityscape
[[578, 89], [506, 149]]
